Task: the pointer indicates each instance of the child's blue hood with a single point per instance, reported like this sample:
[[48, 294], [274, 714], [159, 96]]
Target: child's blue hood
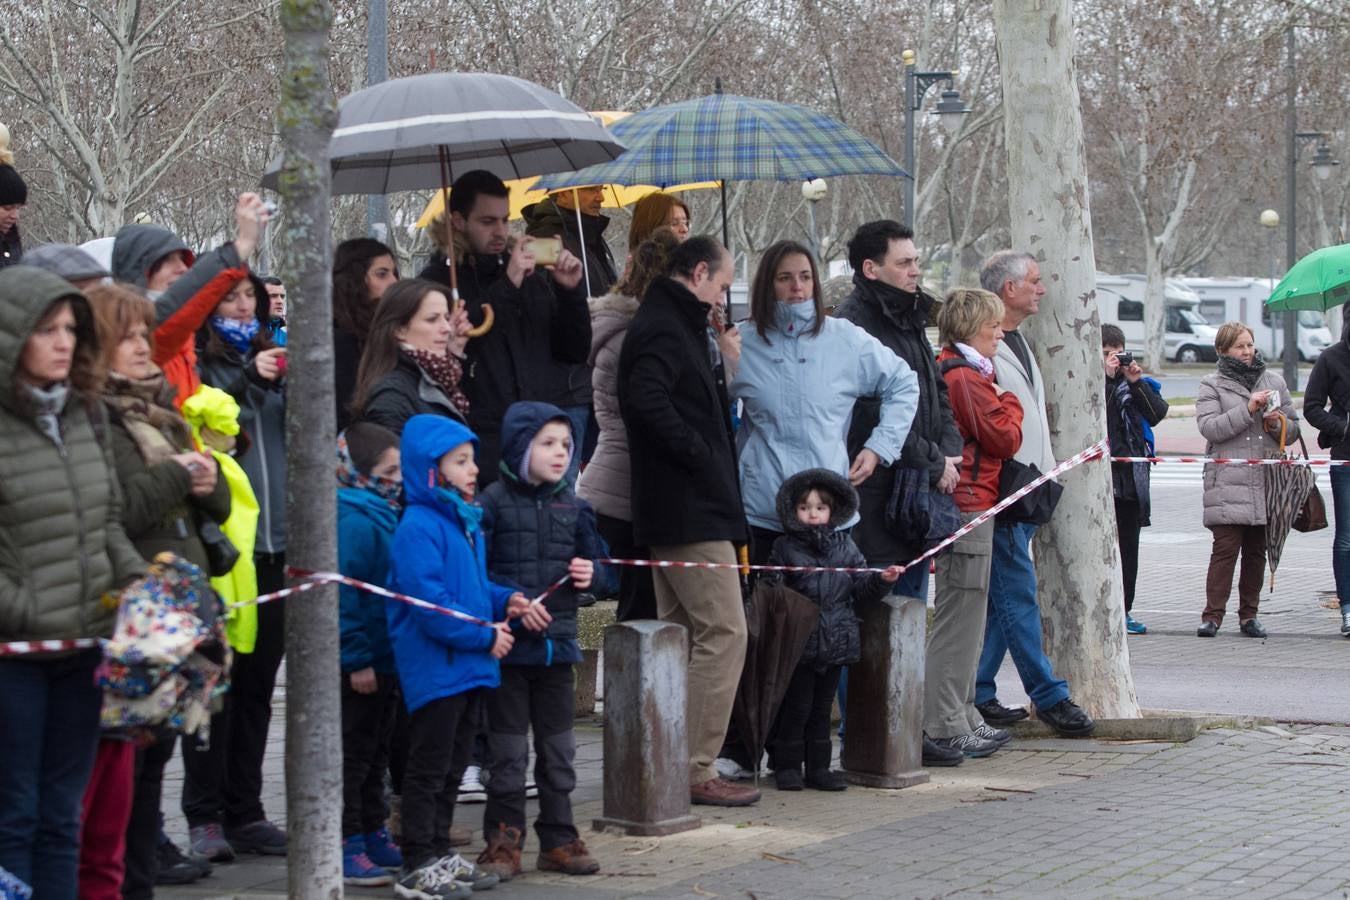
[[522, 422], [425, 440]]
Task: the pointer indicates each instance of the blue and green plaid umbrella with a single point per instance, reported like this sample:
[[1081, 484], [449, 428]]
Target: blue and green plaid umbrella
[[724, 137]]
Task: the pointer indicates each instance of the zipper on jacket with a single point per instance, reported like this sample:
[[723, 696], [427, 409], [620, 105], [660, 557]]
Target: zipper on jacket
[[84, 548]]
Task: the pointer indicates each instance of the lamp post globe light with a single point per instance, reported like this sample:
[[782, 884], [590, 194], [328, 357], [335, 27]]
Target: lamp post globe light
[[813, 192], [1323, 163], [950, 110]]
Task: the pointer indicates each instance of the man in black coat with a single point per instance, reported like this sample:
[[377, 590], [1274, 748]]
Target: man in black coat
[[686, 499], [541, 322]]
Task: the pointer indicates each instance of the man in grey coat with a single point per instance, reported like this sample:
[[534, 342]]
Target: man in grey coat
[[1013, 620]]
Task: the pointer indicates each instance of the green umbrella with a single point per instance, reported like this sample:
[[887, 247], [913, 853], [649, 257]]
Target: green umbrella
[[1318, 281]]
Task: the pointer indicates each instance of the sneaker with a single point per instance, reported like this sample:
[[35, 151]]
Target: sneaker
[[466, 872], [934, 755], [826, 780], [260, 837], [209, 841], [382, 850], [174, 867], [471, 789], [570, 859], [990, 733], [501, 857], [969, 744], [787, 779], [998, 715], [431, 881], [357, 868], [1207, 629], [1067, 718], [1254, 629], [730, 770], [1134, 626], [531, 789], [717, 792], [1345, 622]]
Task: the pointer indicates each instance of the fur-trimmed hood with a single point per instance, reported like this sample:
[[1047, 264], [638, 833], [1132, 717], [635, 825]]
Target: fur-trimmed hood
[[845, 498]]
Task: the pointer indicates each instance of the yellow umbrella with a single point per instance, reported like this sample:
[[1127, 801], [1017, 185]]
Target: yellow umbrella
[[523, 195]]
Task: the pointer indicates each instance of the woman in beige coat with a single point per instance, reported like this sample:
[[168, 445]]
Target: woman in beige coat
[[1239, 410]]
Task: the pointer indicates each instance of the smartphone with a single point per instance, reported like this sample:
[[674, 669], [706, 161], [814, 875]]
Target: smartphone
[[546, 250]]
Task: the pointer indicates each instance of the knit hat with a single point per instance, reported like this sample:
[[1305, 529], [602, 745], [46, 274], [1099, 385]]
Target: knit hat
[[70, 262], [12, 187]]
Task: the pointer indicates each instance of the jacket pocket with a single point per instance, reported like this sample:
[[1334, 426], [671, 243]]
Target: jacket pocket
[[968, 564]]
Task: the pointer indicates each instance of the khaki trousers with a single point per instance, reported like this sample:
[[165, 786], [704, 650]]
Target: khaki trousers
[[957, 636], [708, 603]]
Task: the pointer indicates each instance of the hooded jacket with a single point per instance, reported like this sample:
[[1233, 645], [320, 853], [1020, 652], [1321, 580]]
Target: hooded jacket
[[898, 318], [835, 640], [606, 481], [185, 306], [540, 329], [366, 524], [62, 545], [534, 532], [438, 557], [684, 486], [262, 416], [1326, 400], [798, 391]]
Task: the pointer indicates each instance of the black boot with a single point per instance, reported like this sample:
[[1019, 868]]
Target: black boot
[[787, 772], [818, 774]]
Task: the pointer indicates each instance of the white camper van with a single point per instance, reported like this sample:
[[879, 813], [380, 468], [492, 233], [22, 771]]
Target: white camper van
[[1187, 336], [1244, 300]]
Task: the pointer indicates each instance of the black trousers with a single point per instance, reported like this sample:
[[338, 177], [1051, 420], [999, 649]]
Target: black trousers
[[142, 863], [539, 696], [637, 596], [398, 746], [1127, 535], [223, 778], [802, 730], [367, 726], [440, 737]]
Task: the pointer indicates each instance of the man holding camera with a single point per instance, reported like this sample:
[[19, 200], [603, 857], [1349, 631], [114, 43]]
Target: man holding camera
[[1133, 407], [1013, 622]]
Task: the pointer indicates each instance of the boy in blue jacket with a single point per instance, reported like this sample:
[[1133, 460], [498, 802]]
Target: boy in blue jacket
[[370, 497], [445, 664], [539, 533]]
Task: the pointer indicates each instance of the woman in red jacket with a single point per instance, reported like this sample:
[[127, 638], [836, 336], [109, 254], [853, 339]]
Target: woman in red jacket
[[990, 420]]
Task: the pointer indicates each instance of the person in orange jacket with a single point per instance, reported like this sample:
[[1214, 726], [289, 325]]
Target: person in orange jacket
[[185, 288]]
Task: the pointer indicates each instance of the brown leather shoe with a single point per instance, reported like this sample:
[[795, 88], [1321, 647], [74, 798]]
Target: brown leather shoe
[[501, 857], [570, 859], [460, 836], [720, 792]]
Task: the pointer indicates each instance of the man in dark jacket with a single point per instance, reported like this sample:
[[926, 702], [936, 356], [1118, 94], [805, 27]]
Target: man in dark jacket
[[686, 500], [541, 322]]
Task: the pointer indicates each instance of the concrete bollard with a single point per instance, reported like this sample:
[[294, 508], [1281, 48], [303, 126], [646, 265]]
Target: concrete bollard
[[646, 775], [883, 740]]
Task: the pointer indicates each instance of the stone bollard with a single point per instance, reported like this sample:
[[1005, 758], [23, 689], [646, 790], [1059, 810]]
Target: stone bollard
[[883, 741], [646, 775]]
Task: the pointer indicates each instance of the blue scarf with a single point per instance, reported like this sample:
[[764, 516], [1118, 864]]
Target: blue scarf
[[470, 514], [238, 334]]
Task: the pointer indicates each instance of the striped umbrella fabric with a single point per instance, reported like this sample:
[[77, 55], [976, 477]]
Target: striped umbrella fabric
[[390, 137], [725, 137], [1287, 488]]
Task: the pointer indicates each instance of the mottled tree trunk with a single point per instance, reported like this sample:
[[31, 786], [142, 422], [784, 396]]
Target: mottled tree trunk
[[1077, 560], [306, 116]]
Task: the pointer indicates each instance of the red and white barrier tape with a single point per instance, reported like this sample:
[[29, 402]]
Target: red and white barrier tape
[[1225, 461], [23, 648]]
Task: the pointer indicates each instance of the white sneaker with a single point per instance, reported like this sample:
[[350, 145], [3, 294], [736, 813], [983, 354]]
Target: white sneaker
[[471, 788], [731, 770]]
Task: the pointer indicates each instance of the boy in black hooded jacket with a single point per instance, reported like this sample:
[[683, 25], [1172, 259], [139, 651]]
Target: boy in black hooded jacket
[[812, 505]]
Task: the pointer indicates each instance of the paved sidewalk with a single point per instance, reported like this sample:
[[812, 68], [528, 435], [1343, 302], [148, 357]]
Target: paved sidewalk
[[1255, 813]]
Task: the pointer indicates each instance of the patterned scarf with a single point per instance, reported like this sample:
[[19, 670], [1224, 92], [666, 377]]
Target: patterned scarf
[[145, 408], [238, 335], [348, 475], [444, 369], [1239, 371], [976, 359]]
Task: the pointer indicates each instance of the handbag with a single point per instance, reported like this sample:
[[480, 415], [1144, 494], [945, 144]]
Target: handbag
[[1312, 515], [1036, 507], [221, 554], [915, 513]]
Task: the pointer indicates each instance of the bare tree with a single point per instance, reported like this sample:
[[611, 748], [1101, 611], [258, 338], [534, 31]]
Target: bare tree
[[306, 116], [1077, 561]]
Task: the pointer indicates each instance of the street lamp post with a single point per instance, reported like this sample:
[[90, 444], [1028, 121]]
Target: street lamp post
[[377, 71], [813, 192], [950, 110]]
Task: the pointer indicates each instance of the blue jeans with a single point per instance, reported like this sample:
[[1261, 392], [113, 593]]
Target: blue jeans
[[50, 711], [579, 416], [1340, 544], [1013, 621], [914, 583]]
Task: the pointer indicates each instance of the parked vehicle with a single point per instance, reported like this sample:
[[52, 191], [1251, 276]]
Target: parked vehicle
[[1244, 299], [1187, 336]]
